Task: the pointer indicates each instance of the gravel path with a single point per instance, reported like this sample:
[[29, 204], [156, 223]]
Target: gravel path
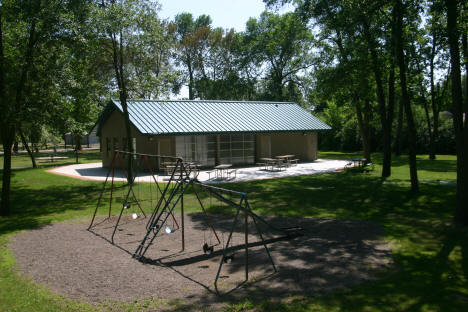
[[82, 264]]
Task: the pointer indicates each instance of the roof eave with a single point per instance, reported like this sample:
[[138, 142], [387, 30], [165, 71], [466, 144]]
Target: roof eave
[[233, 132]]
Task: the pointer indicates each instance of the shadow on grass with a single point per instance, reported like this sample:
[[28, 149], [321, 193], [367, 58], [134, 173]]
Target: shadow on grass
[[32, 206]]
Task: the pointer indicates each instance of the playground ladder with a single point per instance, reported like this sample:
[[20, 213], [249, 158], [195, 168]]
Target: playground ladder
[[161, 217]]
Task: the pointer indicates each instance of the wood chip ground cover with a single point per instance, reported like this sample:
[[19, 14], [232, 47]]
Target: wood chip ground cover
[[332, 254]]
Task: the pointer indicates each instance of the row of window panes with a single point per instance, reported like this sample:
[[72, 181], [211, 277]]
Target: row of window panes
[[236, 138], [237, 145], [236, 153]]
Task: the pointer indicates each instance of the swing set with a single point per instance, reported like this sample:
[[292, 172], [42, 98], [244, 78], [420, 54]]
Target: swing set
[[131, 194], [171, 195]]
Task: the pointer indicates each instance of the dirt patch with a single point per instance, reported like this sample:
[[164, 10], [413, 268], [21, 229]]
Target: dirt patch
[[82, 264]]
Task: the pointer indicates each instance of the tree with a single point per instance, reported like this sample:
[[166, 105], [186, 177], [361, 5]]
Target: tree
[[152, 74], [282, 43], [460, 111], [123, 30], [24, 27], [402, 65], [371, 23], [368, 23], [192, 36]]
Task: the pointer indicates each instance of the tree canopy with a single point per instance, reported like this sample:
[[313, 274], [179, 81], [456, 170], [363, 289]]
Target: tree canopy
[[388, 75]]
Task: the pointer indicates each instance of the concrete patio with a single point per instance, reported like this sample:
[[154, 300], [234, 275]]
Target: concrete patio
[[95, 171]]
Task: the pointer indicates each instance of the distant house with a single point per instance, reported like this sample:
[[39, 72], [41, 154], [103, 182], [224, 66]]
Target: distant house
[[90, 139], [211, 132]]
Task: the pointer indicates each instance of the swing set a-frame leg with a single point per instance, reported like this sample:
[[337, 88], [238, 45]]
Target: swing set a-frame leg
[[234, 223], [102, 191], [120, 215], [245, 206], [261, 237]]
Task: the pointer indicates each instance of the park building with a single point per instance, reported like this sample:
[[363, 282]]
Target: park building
[[211, 132]]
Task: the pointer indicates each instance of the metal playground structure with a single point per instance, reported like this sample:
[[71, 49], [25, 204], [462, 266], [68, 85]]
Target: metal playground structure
[[166, 196]]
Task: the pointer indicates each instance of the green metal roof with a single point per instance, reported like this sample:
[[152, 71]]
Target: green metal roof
[[197, 117]]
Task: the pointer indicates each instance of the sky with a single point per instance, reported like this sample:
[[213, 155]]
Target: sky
[[224, 13]]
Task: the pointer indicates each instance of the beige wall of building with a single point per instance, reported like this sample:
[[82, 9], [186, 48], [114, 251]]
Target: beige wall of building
[[114, 131], [302, 145]]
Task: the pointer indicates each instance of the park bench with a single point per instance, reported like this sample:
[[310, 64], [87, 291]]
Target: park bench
[[50, 158]]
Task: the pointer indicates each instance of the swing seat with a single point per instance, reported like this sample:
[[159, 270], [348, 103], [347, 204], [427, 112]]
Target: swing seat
[[228, 259], [208, 249]]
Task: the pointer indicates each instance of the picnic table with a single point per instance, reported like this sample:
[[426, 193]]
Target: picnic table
[[193, 168], [168, 166], [273, 163], [359, 161], [222, 170], [287, 159]]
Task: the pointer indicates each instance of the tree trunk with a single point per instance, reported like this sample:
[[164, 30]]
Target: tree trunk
[[7, 134], [367, 123], [9, 129], [26, 145], [128, 131], [429, 126], [405, 97], [386, 130], [77, 139], [399, 129], [387, 147], [435, 107], [118, 62], [190, 86], [363, 128], [461, 131], [465, 61], [7, 139]]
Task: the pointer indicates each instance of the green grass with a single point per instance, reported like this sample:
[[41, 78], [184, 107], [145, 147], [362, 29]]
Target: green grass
[[23, 159], [431, 258]]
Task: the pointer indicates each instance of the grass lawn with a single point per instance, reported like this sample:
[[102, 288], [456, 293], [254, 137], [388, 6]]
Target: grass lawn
[[23, 159], [431, 271]]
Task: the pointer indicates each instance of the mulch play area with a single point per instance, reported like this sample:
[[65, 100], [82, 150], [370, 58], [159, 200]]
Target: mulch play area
[[79, 263]]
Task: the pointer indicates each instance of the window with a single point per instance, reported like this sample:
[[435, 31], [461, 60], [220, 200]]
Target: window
[[237, 148], [233, 149], [197, 148]]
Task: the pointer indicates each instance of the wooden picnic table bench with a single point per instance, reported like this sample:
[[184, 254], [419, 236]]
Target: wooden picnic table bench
[[50, 158], [273, 163]]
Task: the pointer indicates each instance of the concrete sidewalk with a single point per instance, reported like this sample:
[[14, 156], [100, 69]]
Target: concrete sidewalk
[[95, 171]]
